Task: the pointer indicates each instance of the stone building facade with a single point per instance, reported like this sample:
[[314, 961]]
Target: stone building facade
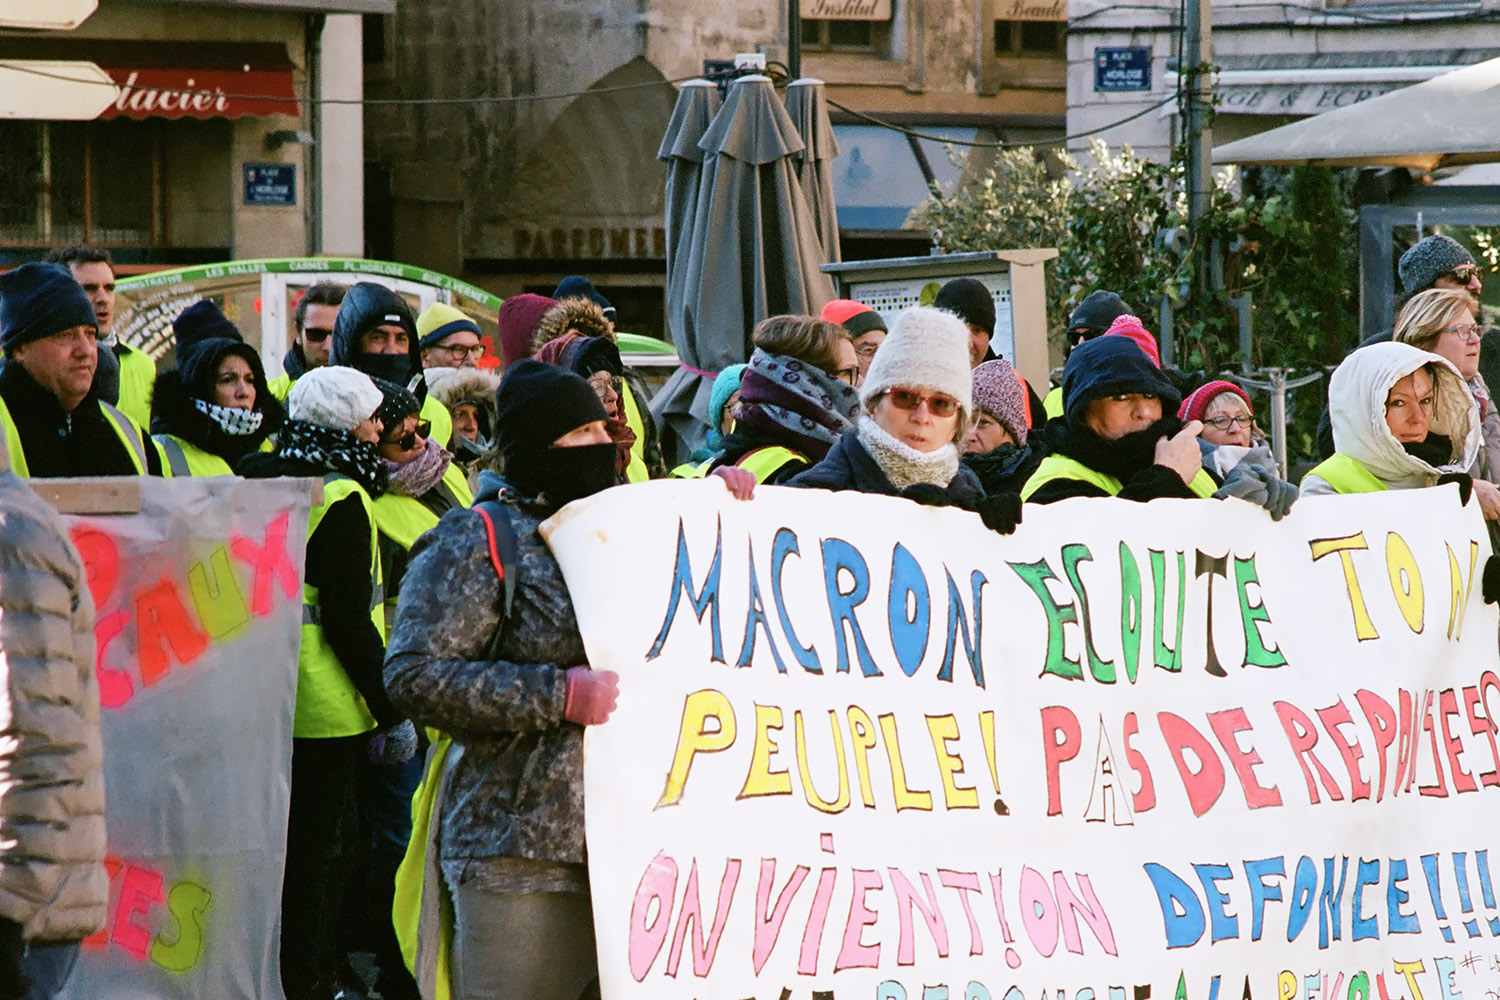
[[495, 178], [214, 146]]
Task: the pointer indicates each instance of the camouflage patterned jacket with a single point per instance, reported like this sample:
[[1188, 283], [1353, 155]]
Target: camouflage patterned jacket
[[518, 788]]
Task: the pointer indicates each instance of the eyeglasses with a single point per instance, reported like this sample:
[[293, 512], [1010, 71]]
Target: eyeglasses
[[316, 334], [424, 429], [938, 406], [1463, 275], [849, 375], [476, 351], [1224, 423], [1466, 331], [866, 350]]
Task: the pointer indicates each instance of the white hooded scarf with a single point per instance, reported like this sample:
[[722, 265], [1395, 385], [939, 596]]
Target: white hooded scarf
[[1356, 403]]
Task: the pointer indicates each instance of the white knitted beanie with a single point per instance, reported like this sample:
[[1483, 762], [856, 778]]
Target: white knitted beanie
[[926, 349], [333, 396]]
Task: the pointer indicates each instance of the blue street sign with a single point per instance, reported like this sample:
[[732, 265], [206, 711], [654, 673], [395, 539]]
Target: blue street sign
[[1122, 68], [270, 184]]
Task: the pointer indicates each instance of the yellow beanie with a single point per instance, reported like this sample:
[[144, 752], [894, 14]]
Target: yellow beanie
[[441, 320]]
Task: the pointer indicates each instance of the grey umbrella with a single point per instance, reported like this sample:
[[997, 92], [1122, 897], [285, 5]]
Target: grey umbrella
[[755, 250], [808, 107], [697, 103]]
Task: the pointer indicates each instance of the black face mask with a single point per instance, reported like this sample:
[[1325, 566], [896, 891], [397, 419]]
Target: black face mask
[[1435, 449], [562, 475], [395, 368]]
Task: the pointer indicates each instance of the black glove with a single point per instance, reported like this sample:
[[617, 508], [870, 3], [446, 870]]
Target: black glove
[[14, 983], [928, 495], [1465, 486], [1000, 512], [1490, 586]]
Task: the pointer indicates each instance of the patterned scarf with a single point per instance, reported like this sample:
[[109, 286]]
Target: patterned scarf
[[800, 404], [421, 473], [235, 422], [335, 451], [904, 465]]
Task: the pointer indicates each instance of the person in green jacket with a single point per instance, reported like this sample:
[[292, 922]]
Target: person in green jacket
[[213, 408]]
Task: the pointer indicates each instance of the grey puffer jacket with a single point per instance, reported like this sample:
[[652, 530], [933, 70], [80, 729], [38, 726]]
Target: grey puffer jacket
[[517, 790], [52, 879]]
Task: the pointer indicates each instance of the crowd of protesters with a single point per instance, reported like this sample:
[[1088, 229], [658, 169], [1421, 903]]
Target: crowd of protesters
[[443, 686]]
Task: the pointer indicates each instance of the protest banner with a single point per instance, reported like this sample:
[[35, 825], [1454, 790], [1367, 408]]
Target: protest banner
[[1172, 750], [198, 614]]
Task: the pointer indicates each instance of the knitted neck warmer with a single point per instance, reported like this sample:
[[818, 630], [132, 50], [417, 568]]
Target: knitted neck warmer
[[797, 403], [336, 451], [904, 465], [421, 473], [231, 421]]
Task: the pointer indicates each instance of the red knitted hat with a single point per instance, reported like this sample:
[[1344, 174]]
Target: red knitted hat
[[1194, 406], [856, 317], [1130, 326]]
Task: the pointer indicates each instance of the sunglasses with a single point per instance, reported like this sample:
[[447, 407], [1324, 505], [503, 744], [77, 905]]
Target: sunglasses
[[938, 406], [316, 334], [424, 429], [1464, 275]]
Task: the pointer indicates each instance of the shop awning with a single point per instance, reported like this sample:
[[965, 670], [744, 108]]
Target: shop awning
[[1436, 123], [175, 79]]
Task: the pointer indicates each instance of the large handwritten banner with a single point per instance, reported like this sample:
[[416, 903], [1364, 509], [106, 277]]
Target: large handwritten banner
[[199, 613], [1173, 750]]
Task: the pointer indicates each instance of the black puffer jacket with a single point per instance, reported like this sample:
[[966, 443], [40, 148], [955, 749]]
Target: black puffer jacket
[[517, 790], [848, 466]]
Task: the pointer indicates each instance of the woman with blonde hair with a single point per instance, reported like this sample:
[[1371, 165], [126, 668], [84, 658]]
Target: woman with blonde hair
[[1444, 321]]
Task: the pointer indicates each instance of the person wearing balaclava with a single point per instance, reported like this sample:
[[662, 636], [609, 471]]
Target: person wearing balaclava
[[515, 690], [342, 711], [376, 333], [213, 408]]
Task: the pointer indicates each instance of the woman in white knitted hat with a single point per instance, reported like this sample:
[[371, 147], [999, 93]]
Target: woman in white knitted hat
[[916, 397], [342, 711]]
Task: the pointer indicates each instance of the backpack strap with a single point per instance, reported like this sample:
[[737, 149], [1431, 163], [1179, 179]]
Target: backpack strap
[[504, 552]]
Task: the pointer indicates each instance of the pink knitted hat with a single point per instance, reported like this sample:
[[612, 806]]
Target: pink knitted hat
[[1130, 326]]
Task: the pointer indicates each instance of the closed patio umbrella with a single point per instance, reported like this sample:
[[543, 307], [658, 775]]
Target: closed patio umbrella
[[754, 250], [808, 106]]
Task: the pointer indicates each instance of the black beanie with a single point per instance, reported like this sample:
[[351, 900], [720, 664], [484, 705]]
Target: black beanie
[[203, 337], [1109, 366], [38, 300], [396, 403], [970, 301], [538, 403], [1097, 311]]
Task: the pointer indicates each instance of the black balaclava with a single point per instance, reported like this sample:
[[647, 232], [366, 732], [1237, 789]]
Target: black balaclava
[[536, 404], [367, 305]]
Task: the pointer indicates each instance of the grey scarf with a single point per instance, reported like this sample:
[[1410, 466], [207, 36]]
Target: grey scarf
[[904, 465]]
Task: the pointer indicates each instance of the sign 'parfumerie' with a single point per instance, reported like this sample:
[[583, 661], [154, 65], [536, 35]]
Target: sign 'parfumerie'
[[1169, 750]]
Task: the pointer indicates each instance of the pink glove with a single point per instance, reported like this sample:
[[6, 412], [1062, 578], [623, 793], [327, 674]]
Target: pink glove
[[591, 695]]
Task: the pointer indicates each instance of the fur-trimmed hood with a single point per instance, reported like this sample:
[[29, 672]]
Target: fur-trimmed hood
[[451, 386], [571, 314]]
